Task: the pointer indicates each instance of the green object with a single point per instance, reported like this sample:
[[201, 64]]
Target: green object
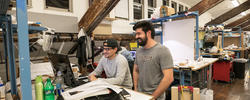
[[39, 88], [49, 90]]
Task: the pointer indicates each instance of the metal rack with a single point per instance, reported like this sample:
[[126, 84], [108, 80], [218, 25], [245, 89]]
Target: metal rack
[[223, 36], [23, 44], [196, 14], [182, 72]]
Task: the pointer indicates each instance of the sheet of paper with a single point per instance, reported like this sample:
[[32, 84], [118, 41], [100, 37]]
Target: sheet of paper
[[89, 89]]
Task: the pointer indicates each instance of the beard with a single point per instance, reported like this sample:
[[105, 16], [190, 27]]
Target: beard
[[142, 42]]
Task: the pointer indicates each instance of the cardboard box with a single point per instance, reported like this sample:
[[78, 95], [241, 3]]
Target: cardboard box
[[185, 93], [166, 11]]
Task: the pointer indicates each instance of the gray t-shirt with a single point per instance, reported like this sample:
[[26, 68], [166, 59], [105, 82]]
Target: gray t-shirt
[[116, 70], [150, 63]]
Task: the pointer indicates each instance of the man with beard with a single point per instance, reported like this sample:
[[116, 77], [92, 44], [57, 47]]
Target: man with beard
[[114, 65], [153, 68]]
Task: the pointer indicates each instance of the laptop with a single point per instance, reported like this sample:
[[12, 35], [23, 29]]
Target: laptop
[[60, 62]]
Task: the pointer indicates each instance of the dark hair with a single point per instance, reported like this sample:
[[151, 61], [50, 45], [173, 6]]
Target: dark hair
[[146, 26], [112, 43]]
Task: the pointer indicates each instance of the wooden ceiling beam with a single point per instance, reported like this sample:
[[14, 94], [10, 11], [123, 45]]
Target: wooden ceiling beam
[[127, 37], [230, 14], [238, 22], [245, 24], [247, 28], [205, 5], [95, 14]]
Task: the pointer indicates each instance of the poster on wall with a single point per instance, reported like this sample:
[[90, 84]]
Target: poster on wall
[[178, 36]]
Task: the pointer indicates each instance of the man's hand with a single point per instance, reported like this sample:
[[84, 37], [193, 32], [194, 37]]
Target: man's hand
[[92, 78]]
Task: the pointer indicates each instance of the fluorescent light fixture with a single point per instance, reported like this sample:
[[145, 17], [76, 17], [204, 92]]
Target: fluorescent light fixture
[[243, 13], [235, 3]]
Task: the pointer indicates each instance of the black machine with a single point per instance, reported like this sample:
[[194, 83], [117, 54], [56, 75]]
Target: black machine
[[60, 62]]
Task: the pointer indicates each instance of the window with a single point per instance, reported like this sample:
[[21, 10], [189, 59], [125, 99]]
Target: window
[[174, 5], [165, 2], [152, 3], [29, 3], [137, 12], [64, 5], [186, 8], [150, 12], [138, 1], [181, 8], [138, 5]]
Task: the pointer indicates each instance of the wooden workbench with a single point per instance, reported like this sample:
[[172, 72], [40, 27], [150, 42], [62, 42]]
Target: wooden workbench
[[201, 68]]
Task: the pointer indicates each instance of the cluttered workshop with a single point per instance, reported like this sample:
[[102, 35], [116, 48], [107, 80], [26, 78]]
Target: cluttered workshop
[[108, 49]]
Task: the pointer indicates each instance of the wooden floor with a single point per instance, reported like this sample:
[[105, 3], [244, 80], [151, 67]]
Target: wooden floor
[[239, 89]]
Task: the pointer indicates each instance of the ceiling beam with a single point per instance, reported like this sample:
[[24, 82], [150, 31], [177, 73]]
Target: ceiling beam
[[247, 28], [239, 21], [95, 14], [230, 14], [128, 37], [245, 24], [205, 5]]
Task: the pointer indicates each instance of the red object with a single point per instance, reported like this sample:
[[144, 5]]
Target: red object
[[221, 70], [186, 87]]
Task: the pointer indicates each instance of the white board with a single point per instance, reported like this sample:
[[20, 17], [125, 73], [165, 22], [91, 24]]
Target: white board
[[178, 36]]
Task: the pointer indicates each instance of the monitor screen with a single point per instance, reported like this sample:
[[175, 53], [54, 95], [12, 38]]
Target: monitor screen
[[60, 62], [133, 53]]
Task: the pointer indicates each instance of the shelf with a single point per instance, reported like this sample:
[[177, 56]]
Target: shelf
[[32, 29], [233, 36]]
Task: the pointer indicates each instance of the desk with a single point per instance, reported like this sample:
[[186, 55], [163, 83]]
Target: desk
[[138, 96], [238, 51], [99, 87], [230, 53], [201, 69]]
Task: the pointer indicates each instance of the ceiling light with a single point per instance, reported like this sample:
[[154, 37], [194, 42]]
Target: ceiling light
[[235, 3], [243, 13]]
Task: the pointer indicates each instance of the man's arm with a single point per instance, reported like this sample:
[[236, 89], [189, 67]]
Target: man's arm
[[135, 76], [165, 82], [120, 74], [98, 70]]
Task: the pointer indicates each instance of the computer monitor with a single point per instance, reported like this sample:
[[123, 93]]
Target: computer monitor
[[133, 53], [60, 62]]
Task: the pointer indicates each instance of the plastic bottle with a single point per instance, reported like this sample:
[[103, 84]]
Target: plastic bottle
[[39, 88], [2, 89], [59, 83], [49, 90]]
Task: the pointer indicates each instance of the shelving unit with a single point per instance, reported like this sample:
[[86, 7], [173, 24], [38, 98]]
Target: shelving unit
[[185, 77], [23, 44], [231, 32], [163, 19]]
